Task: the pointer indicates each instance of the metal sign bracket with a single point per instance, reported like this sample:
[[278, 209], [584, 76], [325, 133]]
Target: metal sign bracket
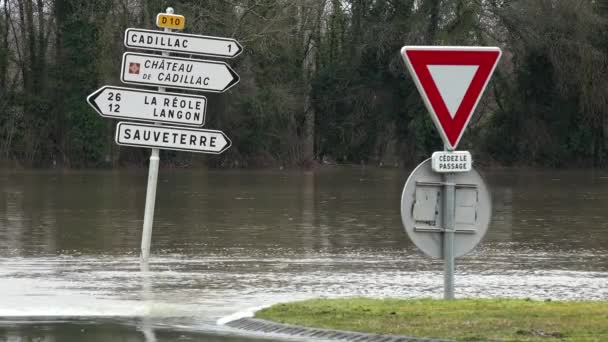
[[443, 230]]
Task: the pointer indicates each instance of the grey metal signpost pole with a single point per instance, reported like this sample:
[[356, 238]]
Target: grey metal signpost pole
[[448, 234], [151, 191]]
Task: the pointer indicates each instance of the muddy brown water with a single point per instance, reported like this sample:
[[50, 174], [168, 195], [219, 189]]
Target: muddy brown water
[[227, 242]]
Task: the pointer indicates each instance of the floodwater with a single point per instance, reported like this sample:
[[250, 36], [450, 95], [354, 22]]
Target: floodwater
[[228, 242]]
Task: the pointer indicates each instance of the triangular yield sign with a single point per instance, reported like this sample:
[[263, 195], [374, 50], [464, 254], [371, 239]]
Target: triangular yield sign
[[451, 81]]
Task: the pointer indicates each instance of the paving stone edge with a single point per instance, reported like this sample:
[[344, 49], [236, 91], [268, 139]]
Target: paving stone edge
[[269, 327]]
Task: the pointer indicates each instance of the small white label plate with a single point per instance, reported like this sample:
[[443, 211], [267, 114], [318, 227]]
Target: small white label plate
[[450, 162]]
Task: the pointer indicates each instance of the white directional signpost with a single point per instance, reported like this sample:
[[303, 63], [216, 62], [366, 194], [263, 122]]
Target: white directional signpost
[[445, 206], [161, 107]]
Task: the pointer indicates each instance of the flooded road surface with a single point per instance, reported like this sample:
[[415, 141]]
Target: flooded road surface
[[228, 242]]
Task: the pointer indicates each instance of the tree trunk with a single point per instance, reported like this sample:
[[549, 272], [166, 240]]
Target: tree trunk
[[434, 6], [311, 30], [4, 52], [42, 46]]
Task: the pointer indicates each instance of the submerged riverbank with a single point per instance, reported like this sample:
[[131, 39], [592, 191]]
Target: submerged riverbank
[[465, 320]]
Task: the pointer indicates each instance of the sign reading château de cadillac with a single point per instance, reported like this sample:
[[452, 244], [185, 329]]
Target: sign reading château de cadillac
[[173, 72], [171, 138], [147, 105], [182, 43]]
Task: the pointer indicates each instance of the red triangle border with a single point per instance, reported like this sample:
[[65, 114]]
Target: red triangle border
[[418, 58]]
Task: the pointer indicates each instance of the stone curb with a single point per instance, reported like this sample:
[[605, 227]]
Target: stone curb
[[264, 326]]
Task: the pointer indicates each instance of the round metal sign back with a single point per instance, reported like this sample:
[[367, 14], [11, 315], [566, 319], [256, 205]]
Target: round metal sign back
[[422, 210]]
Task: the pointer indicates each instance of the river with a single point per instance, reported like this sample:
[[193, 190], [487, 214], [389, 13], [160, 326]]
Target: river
[[228, 242]]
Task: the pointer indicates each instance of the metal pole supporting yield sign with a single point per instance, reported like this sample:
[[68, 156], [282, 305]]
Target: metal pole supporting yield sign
[[448, 234]]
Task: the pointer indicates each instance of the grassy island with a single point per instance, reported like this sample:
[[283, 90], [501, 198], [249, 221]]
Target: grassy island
[[462, 320]]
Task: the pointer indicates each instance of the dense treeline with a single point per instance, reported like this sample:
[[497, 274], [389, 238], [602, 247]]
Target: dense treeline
[[321, 80]]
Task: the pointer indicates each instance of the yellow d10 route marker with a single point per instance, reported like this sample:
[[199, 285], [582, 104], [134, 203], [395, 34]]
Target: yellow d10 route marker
[[171, 21]]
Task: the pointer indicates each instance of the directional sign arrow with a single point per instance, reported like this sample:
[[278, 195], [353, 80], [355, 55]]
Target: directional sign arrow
[[173, 72], [146, 105], [451, 80], [171, 138], [182, 43]]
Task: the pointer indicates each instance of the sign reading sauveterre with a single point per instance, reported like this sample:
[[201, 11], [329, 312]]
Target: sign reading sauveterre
[[182, 43], [147, 105], [171, 21], [171, 138], [456, 161], [173, 72]]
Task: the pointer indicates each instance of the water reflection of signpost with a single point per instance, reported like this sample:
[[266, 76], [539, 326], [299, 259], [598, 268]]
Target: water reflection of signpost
[[445, 206], [146, 326], [308, 211]]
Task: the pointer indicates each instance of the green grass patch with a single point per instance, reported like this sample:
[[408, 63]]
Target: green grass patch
[[463, 320]]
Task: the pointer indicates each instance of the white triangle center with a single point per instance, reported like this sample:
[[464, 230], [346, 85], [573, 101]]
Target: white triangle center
[[453, 81]]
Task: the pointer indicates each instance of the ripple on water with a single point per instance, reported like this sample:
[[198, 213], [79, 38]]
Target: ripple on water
[[204, 289]]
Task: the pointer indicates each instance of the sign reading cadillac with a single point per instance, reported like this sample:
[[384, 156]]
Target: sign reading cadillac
[[182, 43], [173, 72]]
